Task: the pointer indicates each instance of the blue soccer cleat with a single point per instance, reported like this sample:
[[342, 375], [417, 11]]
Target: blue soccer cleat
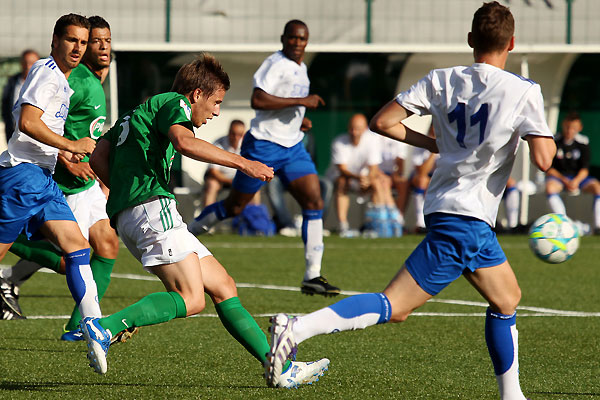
[[72, 336], [98, 341]]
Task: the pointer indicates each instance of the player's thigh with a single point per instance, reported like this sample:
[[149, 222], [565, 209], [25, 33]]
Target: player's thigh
[[593, 187], [498, 285], [237, 200], [104, 240], [212, 185], [65, 234], [405, 295], [307, 192], [218, 284]]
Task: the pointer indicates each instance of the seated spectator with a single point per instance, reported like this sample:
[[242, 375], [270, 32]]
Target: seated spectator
[[218, 177], [511, 205], [355, 166], [570, 168], [393, 154]]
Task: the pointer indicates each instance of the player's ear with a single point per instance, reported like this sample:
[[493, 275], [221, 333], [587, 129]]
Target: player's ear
[[469, 41], [196, 95], [511, 43]]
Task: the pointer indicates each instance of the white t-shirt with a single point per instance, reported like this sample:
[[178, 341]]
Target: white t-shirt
[[279, 76], [223, 143], [47, 89], [479, 113], [358, 158], [390, 150]]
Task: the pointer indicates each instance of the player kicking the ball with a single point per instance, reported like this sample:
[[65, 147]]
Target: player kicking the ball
[[479, 114], [134, 159]]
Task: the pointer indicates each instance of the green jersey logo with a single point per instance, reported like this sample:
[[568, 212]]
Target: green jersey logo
[[96, 127]]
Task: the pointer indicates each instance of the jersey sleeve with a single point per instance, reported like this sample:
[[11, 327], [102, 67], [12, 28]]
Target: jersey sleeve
[[417, 99], [266, 77], [175, 111], [530, 118], [40, 87]]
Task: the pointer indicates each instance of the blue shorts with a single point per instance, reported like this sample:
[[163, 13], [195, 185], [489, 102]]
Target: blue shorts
[[28, 198], [454, 243], [582, 184], [289, 163]]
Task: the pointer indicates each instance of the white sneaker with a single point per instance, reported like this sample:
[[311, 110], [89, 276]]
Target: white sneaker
[[303, 373], [288, 231], [282, 346]]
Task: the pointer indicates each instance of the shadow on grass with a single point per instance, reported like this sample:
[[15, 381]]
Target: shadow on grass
[[568, 394], [36, 350], [43, 386]]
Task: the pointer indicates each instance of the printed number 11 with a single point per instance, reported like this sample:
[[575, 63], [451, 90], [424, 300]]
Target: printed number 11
[[459, 115]]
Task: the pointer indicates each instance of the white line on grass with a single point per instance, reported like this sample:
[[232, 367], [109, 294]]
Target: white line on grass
[[536, 311]]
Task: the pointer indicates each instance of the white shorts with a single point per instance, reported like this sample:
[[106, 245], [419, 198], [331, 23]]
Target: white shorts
[[155, 233], [88, 207]]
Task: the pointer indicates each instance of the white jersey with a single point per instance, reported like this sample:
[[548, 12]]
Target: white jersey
[[479, 113], [47, 89], [279, 76], [390, 151], [223, 143], [357, 158]]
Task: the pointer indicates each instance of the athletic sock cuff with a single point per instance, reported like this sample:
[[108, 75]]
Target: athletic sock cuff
[[180, 308], [220, 210], [78, 253], [104, 260], [233, 302], [508, 319], [312, 214]]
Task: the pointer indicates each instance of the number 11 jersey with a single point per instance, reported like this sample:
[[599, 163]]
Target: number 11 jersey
[[479, 113]]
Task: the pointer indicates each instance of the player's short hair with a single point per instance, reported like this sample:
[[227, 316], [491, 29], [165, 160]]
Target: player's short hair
[[26, 52], [290, 23], [205, 73], [60, 28], [492, 28], [97, 21], [572, 116], [236, 122]]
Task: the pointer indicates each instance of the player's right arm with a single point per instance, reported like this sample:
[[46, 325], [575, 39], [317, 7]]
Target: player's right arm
[[30, 123], [262, 100], [187, 144], [99, 161], [542, 150]]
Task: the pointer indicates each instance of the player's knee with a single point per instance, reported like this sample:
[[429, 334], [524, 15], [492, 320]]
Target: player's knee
[[222, 290], [508, 303], [194, 304], [399, 316]]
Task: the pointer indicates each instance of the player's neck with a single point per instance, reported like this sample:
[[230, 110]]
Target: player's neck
[[63, 67], [100, 72], [496, 59]]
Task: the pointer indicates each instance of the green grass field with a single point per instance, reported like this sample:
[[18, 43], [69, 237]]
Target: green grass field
[[439, 353]]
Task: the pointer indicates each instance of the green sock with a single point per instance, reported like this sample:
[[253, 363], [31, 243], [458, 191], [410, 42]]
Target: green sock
[[101, 269], [240, 324], [38, 251], [153, 309]]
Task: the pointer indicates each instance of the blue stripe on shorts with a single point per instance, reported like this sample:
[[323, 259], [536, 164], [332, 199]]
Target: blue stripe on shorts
[[289, 163], [454, 243], [28, 198]]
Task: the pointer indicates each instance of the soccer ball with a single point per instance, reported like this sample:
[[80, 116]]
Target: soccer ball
[[554, 238]]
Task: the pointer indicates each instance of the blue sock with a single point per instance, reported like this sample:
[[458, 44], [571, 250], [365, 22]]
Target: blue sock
[[351, 313], [499, 339], [217, 208], [309, 215], [81, 282]]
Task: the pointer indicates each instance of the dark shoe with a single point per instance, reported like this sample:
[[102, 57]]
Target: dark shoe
[[9, 296], [319, 286]]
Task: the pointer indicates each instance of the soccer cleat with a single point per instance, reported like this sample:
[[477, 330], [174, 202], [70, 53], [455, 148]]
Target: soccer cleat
[[98, 341], [320, 286], [9, 296], [125, 335], [283, 346], [72, 336], [197, 228], [302, 373]]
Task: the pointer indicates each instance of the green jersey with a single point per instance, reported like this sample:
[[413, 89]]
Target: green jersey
[[141, 153], [87, 113]]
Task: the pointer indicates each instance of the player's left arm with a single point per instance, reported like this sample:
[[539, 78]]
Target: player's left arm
[[388, 122], [99, 161], [186, 143]]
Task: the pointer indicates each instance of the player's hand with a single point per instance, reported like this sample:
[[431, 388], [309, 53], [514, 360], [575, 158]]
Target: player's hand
[[364, 181], [80, 169], [82, 147], [572, 186], [256, 169], [313, 101], [306, 125]]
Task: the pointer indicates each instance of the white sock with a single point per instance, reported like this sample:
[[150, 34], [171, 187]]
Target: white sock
[[508, 382], [313, 248], [556, 204], [511, 205], [89, 306], [19, 272], [419, 203]]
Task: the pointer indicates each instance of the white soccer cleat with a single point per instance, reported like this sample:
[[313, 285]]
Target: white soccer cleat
[[98, 341], [282, 346], [302, 373]]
